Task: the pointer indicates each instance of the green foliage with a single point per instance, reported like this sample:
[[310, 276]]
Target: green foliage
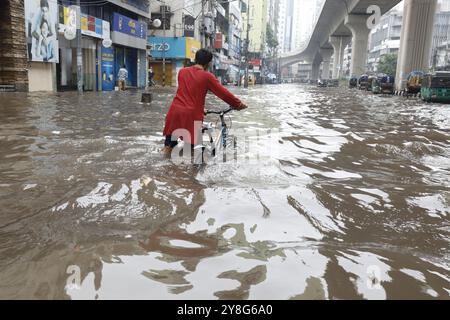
[[388, 64]]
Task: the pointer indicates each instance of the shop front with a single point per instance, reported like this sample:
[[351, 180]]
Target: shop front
[[93, 31], [130, 49], [179, 52]]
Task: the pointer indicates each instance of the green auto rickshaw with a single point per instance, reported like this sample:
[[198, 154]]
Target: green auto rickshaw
[[370, 81], [436, 87], [376, 86]]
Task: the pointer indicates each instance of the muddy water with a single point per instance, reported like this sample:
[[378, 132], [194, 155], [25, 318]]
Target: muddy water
[[347, 197]]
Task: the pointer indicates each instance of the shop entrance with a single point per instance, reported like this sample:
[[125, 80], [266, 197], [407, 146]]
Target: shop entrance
[[129, 58], [158, 70]]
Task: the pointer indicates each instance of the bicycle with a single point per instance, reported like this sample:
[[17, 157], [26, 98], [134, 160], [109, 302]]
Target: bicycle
[[222, 142]]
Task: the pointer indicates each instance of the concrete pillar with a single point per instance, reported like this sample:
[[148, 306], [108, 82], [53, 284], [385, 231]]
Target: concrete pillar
[[339, 43], [326, 56], [416, 38], [358, 26], [315, 71]]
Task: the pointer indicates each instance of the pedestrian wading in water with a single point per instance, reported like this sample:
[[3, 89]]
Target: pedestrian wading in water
[[187, 108]]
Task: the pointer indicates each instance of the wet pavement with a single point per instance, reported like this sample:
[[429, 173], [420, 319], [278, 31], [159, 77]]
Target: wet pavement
[[347, 197]]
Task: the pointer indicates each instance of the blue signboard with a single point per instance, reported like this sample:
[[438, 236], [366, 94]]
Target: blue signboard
[[108, 78], [175, 48], [98, 26], [129, 26]]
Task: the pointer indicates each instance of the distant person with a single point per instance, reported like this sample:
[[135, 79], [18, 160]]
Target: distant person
[[188, 106], [122, 76], [151, 75]]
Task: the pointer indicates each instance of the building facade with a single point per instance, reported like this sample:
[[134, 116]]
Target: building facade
[[173, 44], [384, 38], [13, 54], [112, 35]]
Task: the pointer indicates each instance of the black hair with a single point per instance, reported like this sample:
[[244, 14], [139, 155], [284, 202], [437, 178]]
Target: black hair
[[44, 4], [203, 57]]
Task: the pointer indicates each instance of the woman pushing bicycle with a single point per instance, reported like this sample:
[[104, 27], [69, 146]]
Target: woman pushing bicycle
[[188, 105]]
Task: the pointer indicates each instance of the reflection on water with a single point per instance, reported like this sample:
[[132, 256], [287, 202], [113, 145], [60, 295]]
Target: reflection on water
[[354, 204]]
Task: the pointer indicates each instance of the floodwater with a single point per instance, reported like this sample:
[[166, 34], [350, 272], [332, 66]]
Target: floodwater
[[347, 196]]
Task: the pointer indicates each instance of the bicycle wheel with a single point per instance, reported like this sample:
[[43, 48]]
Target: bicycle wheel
[[230, 149]]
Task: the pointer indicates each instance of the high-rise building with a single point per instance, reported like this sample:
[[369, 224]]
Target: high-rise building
[[281, 24], [256, 17]]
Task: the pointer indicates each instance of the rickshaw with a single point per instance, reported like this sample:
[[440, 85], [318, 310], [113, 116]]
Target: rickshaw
[[436, 87], [363, 82], [387, 84], [333, 83], [321, 83], [353, 83], [370, 81], [376, 86], [414, 82]]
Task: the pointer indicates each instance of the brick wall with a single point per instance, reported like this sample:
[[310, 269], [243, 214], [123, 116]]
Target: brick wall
[[13, 52]]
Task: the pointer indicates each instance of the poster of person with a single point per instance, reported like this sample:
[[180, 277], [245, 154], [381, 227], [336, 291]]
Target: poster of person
[[41, 25]]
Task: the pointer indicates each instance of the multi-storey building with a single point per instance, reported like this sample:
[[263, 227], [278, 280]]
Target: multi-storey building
[[255, 18], [175, 40], [384, 38]]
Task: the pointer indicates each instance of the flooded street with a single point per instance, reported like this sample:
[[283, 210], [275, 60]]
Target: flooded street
[[346, 197]]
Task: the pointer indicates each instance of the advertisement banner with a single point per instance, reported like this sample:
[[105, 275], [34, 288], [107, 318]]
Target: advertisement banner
[[41, 29], [99, 27], [173, 47], [129, 26], [107, 63], [84, 22], [106, 30], [189, 26], [255, 62], [192, 46], [90, 26], [218, 41]]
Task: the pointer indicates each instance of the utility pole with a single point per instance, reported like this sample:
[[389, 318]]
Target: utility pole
[[164, 44], [203, 26], [79, 51], [247, 44]]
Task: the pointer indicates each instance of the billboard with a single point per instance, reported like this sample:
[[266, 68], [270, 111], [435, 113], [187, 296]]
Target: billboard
[[218, 41], [129, 26], [108, 79], [189, 26], [41, 28]]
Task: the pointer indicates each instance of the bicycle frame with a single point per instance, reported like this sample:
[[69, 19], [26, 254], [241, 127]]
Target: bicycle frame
[[220, 141]]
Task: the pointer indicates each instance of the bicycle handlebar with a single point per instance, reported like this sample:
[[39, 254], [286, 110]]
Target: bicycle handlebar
[[222, 112]]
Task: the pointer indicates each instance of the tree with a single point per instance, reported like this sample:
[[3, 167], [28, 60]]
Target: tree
[[271, 41], [388, 64]]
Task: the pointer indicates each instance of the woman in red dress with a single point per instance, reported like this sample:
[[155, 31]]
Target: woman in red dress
[[187, 109]]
